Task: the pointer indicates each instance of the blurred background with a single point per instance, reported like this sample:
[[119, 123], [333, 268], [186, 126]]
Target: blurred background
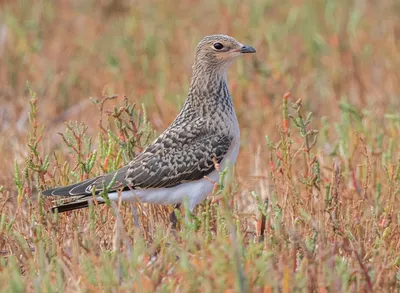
[[324, 52], [332, 220]]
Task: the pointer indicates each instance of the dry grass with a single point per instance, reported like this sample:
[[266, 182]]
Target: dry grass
[[321, 192]]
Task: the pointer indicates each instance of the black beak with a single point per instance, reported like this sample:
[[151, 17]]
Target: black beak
[[247, 49]]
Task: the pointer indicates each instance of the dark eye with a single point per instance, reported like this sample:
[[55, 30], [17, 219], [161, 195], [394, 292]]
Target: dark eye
[[218, 46]]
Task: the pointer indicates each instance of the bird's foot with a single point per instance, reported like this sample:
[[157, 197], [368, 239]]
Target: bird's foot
[[173, 218]]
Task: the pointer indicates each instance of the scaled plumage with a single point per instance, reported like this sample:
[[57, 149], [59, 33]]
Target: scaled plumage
[[174, 166]]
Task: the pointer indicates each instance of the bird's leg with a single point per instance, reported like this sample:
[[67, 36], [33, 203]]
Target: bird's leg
[[172, 217], [134, 213]]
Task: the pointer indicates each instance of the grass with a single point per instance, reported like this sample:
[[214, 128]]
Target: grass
[[313, 204]]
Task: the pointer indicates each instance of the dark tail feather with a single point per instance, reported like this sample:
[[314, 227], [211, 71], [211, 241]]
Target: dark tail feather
[[67, 190], [75, 205]]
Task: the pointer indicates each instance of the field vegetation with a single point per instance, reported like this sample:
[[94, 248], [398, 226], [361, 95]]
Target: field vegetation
[[313, 204]]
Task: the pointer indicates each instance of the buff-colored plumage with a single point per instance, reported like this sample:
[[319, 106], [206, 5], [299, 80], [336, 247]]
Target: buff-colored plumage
[[174, 165]]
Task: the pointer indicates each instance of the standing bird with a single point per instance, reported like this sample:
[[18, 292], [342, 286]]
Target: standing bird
[[174, 166]]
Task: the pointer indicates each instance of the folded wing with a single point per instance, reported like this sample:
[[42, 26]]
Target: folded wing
[[163, 164]]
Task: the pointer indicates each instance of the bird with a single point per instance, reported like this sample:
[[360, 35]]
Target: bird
[[180, 164]]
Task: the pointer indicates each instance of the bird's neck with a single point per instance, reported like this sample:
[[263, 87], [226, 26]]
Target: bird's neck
[[208, 98], [208, 86]]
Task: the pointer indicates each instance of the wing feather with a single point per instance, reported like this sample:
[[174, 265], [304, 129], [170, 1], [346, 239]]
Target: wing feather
[[189, 163], [168, 162]]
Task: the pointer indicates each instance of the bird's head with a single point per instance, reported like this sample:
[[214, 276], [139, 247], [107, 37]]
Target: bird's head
[[217, 52]]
